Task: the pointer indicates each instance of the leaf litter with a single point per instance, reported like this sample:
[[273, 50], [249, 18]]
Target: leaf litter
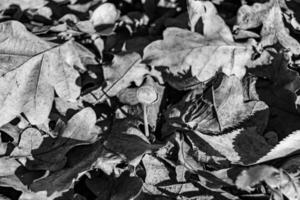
[[149, 100]]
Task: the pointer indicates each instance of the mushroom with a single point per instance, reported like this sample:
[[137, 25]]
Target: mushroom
[[146, 95]]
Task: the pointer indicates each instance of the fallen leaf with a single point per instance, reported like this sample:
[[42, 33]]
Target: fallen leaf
[[182, 50], [213, 25], [196, 154], [240, 146], [126, 187], [13, 131], [32, 69], [269, 15], [255, 175], [274, 178], [219, 108], [31, 139], [127, 141], [44, 152], [3, 147], [152, 166], [124, 70], [58, 182], [80, 87], [247, 147], [278, 83], [66, 108], [24, 4], [8, 166], [285, 147]]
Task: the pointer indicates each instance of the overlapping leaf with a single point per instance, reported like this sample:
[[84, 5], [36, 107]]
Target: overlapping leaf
[[61, 181], [213, 25], [31, 70], [124, 70], [128, 142], [182, 50], [24, 4], [44, 152], [214, 139], [124, 187], [219, 108], [274, 178], [269, 15]]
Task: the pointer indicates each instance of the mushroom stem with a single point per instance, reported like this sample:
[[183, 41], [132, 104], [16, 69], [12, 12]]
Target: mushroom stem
[[145, 120]]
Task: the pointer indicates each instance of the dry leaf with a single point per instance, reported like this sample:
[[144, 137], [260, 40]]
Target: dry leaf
[[213, 25], [44, 152], [60, 181], [223, 113], [8, 166], [127, 141], [32, 70], [124, 70], [277, 180], [182, 50], [285, 147], [219, 108], [269, 15], [24, 4]]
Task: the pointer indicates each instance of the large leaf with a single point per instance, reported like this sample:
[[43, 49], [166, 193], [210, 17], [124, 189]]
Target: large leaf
[[269, 15], [31, 70], [241, 146], [246, 146], [182, 50], [80, 162], [221, 107], [44, 152]]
